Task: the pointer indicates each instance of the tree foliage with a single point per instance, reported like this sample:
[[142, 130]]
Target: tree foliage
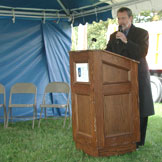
[[97, 31], [74, 38], [148, 16]]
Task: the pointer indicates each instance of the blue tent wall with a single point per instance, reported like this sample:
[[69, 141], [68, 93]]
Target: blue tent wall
[[57, 42], [34, 52]]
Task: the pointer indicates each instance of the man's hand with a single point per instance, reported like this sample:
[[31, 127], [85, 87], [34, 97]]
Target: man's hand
[[121, 36]]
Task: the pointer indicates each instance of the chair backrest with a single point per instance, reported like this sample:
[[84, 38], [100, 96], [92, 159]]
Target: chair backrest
[[57, 87], [23, 88], [2, 91]]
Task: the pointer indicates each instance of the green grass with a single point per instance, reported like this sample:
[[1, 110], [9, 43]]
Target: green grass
[[52, 143]]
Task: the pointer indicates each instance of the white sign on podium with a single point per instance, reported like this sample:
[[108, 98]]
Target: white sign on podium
[[82, 72]]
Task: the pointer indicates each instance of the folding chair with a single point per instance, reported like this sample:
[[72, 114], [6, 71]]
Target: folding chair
[[22, 88], [3, 105], [54, 88]]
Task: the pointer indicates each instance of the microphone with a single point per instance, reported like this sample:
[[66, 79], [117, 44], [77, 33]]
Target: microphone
[[92, 40], [120, 30]]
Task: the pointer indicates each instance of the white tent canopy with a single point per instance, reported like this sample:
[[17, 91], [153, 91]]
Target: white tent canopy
[[137, 5]]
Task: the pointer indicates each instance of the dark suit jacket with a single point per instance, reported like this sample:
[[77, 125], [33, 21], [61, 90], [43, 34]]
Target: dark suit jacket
[[136, 48]]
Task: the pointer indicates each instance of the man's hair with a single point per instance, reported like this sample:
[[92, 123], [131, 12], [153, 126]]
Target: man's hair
[[125, 9]]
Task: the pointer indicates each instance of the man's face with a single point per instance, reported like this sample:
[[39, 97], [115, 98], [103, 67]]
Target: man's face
[[124, 20]]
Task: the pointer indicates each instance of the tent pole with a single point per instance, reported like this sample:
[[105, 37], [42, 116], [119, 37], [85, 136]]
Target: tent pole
[[63, 7]]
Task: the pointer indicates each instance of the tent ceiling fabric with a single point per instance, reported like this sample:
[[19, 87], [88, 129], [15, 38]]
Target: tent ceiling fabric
[[56, 9], [75, 11]]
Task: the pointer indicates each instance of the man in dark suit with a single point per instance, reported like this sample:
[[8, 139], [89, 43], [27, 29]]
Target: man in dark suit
[[132, 42]]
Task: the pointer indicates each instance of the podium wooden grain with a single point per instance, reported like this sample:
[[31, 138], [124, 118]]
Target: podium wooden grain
[[105, 110]]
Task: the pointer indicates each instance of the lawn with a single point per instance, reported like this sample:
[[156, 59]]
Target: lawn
[[52, 143]]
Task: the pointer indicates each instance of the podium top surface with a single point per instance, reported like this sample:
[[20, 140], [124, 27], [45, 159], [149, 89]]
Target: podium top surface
[[112, 53]]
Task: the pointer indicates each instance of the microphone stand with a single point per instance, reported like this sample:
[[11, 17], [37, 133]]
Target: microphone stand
[[92, 41]]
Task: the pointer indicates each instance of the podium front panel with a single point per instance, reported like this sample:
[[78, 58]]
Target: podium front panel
[[105, 110], [82, 100]]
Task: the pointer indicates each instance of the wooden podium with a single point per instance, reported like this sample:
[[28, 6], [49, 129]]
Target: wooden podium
[[105, 110]]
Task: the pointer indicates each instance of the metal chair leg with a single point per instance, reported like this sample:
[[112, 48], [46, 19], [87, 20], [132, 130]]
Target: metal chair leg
[[40, 117], [9, 109], [65, 117], [11, 115], [34, 114], [45, 112], [70, 120], [5, 117]]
